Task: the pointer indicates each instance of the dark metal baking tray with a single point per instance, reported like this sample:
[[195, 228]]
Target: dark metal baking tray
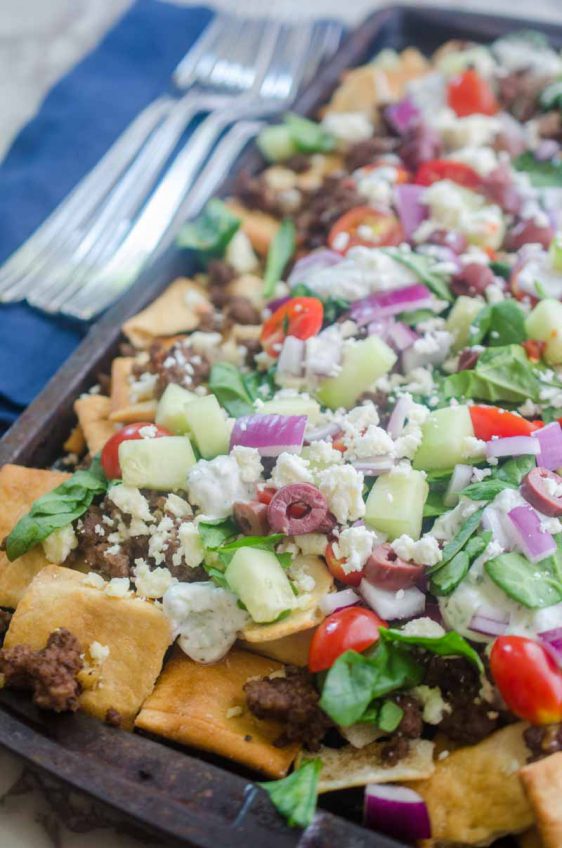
[[184, 796]]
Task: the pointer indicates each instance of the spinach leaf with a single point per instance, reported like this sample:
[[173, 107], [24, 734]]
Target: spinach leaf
[[56, 509], [423, 267], [499, 324], [551, 96], [333, 306], [355, 680], [501, 269], [534, 585], [506, 476], [227, 384], [295, 796], [453, 572], [210, 233], [434, 505], [515, 469], [458, 542], [281, 250], [308, 136], [450, 644], [264, 543], [215, 533], [259, 384], [501, 374], [541, 174]]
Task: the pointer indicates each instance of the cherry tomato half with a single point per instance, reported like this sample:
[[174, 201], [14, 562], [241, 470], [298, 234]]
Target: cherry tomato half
[[335, 567], [447, 169], [528, 678], [110, 452], [301, 317], [490, 421], [349, 629], [534, 349], [470, 94], [365, 227]]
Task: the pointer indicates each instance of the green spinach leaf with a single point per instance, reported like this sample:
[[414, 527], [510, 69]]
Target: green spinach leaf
[[506, 476], [450, 644], [280, 252], [458, 542], [499, 324], [309, 136], [295, 796], [501, 374], [227, 384], [215, 533], [424, 269], [541, 174], [453, 572], [210, 233], [534, 585]]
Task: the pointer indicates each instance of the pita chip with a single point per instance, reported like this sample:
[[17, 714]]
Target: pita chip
[[179, 309]]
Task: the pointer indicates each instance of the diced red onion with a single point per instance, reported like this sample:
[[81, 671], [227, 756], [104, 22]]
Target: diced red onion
[[496, 522], [402, 116], [398, 417], [532, 540], [315, 261], [408, 199], [321, 433], [381, 328], [550, 441], [269, 434], [397, 811], [401, 337], [383, 304], [460, 479], [546, 149], [291, 358], [405, 603], [272, 305], [373, 466], [552, 639], [334, 601], [512, 446], [489, 621]]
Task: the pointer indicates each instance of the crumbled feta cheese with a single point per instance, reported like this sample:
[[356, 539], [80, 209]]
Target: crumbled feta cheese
[[342, 486], [240, 254], [206, 618], [300, 577], [479, 474], [215, 486], [348, 127], [374, 441], [151, 584], [59, 544], [312, 544], [354, 546], [473, 448], [434, 707], [94, 580], [472, 131], [192, 546], [98, 652], [143, 388], [130, 501], [289, 469], [177, 506], [249, 463], [447, 525], [118, 587], [321, 454], [424, 627], [362, 271], [424, 551]]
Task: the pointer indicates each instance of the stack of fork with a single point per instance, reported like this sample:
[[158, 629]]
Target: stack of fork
[[129, 208]]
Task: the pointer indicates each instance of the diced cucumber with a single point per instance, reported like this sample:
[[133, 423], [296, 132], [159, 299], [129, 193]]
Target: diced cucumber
[[297, 405], [275, 143], [208, 426], [545, 324], [258, 579], [363, 363], [395, 504], [460, 318], [443, 439], [170, 412], [161, 464]]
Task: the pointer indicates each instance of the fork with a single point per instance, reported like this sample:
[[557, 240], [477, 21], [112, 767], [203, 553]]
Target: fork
[[298, 54], [221, 63]]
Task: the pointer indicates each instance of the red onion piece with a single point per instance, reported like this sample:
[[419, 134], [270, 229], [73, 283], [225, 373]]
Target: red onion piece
[[397, 811], [315, 261], [384, 304], [512, 446], [320, 433], [401, 337], [489, 621], [552, 639], [460, 479], [532, 540], [272, 305], [393, 605], [408, 200], [291, 358], [373, 466], [550, 440], [398, 417], [381, 328], [496, 522], [334, 601], [402, 116], [269, 434]]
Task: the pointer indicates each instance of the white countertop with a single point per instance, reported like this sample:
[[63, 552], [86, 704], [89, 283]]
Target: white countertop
[[39, 41]]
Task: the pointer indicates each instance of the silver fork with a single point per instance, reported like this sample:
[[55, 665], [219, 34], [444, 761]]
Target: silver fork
[[219, 64], [299, 51]]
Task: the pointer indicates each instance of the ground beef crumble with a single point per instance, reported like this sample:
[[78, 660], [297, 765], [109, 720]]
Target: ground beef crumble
[[323, 207], [113, 717], [410, 727], [293, 701], [50, 673], [177, 364], [543, 740]]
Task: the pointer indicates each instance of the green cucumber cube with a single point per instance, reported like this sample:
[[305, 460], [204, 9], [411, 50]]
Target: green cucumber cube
[[162, 464], [460, 318], [395, 504], [208, 426], [545, 324], [363, 363], [170, 412], [258, 579], [444, 435], [297, 405], [275, 143]]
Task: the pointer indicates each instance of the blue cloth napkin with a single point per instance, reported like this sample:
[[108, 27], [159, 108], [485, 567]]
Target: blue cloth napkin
[[78, 121]]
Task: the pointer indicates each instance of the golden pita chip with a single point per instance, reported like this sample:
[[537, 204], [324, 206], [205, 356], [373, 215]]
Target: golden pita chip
[[92, 412], [123, 410], [301, 619], [179, 309], [131, 628], [258, 226], [475, 796], [249, 286], [19, 487], [343, 768], [76, 443], [204, 706], [292, 650], [542, 782]]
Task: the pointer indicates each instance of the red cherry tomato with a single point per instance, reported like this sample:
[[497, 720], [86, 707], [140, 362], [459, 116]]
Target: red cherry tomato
[[349, 629], [335, 567], [110, 452], [534, 349], [490, 421], [265, 495], [528, 678], [365, 227], [301, 317], [447, 169], [402, 175], [470, 94]]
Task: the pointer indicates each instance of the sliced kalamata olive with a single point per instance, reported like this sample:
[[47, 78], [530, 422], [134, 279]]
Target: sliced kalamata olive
[[472, 280], [314, 508], [468, 359], [500, 189], [421, 144], [452, 239], [328, 524], [251, 518], [528, 232], [537, 488], [385, 569]]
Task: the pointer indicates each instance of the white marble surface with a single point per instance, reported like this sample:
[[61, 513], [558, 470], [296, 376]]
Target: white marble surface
[[39, 41]]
